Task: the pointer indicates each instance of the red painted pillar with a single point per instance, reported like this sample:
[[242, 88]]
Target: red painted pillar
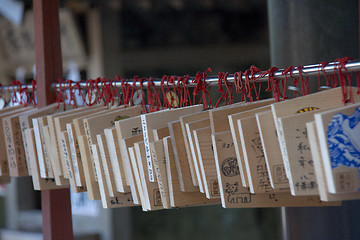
[[56, 207]]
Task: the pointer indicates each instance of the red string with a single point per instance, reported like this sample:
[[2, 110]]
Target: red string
[[77, 85], [334, 77], [345, 79], [285, 72], [90, 91], [220, 88], [59, 98], [187, 96], [179, 91], [150, 95], [135, 79], [143, 104], [227, 96], [165, 101], [127, 93], [323, 65], [98, 90], [273, 84], [239, 86], [23, 92], [106, 92], [71, 92], [254, 70], [119, 95], [201, 87], [169, 92], [304, 82], [33, 98], [14, 85]]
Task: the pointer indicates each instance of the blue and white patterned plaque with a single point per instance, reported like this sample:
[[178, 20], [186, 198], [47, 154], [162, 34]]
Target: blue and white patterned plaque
[[343, 137]]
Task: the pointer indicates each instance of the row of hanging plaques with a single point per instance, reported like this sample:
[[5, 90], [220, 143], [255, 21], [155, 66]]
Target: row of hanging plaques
[[299, 152]]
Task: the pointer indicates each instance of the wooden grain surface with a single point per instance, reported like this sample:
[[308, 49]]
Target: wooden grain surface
[[272, 152], [205, 153], [179, 198], [180, 157], [157, 120]]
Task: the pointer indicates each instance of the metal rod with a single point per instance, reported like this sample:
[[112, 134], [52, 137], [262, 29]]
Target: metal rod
[[308, 71]]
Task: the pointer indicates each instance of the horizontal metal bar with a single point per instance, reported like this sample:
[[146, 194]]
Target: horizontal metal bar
[[307, 70]]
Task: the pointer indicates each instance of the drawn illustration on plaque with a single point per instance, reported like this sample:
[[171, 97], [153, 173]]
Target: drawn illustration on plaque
[[215, 190], [135, 131], [118, 118], [157, 198], [344, 141], [307, 109], [230, 167], [234, 196], [280, 174]]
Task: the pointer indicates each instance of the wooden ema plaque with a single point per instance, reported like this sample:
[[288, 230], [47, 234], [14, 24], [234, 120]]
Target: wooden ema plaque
[[26, 123], [96, 124], [205, 153], [338, 132], [319, 169], [14, 144], [232, 115], [126, 128], [151, 121], [183, 121], [125, 143], [233, 195], [190, 127], [159, 160], [106, 165], [272, 152], [252, 156], [88, 166], [134, 166], [179, 198], [150, 189], [115, 159], [38, 182], [181, 160], [298, 106], [119, 199], [6, 135]]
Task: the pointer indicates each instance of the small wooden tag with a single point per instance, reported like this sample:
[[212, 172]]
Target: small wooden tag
[[125, 143], [233, 195], [177, 197], [272, 152], [259, 181], [150, 189], [233, 117], [159, 160], [115, 158], [319, 169], [183, 121], [120, 199], [157, 120], [15, 146], [26, 123], [106, 165], [6, 136], [181, 160], [66, 150], [338, 131], [190, 127], [38, 182], [144, 202], [207, 166]]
